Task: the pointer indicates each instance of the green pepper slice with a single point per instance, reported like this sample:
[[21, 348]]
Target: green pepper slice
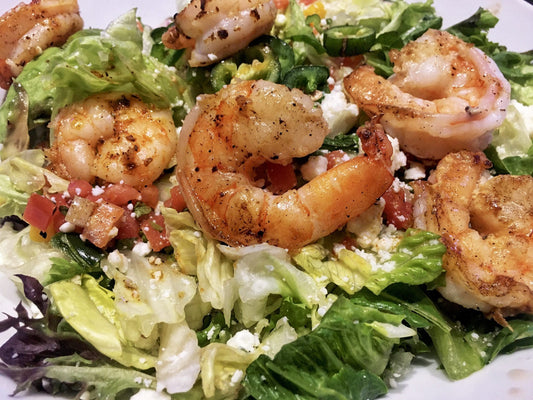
[[348, 40], [307, 78]]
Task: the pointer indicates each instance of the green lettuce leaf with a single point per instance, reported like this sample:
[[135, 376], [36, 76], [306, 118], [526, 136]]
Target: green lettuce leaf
[[264, 270], [21, 255], [22, 175], [95, 61], [416, 260], [341, 358], [199, 255], [147, 294], [90, 310]]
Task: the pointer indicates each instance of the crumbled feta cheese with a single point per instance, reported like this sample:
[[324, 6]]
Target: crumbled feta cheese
[[67, 227], [415, 171], [367, 225], [399, 159], [315, 166], [97, 191], [237, 377], [142, 249], [148, 394], [244, 340], [339, 113]]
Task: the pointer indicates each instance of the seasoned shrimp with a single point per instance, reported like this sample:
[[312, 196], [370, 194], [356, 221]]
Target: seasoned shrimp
[[487, 227], [445, 95], [215, 29], [246, 124], [28, 29], [114, 138]]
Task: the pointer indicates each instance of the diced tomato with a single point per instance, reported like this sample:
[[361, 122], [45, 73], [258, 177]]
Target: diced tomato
[[121, 194], [176, 201], [398, 211], [79, 187], [281, 177], [306, 2], [100, 228], [150, 195], [58, 219], [58, 199], [153, 227], [281, 4], [128, 226], [336, 157], [39, 211]]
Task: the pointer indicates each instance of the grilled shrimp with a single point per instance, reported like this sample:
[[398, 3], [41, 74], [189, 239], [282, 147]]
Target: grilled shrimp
[[445, 95], [229, 134], [114, 138], [215, 29], [28, 29], [487, 227]]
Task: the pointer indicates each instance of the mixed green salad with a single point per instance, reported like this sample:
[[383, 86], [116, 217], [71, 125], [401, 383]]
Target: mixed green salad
[[193, 318]]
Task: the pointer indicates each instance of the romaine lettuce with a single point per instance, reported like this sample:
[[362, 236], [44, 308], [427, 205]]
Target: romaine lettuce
[[95, 61], [416, 260]]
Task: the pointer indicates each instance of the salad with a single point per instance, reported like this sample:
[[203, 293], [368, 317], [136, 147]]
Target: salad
[[168, 311]]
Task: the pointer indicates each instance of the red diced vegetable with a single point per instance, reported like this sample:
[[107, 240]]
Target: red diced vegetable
[[121, 194], [150, 195], [39, 211], [281, 177], [153, 227], [176, 201], [398, 211], [128, 226], [80, 188]]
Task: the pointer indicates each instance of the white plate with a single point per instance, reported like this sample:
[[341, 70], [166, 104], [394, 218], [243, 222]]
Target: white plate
[[509, 377]]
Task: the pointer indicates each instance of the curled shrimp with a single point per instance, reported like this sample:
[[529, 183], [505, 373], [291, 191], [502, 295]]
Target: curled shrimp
[[28, 29], [445, 95], [215, 29], [113, 138], [230, 133], [487, 227]]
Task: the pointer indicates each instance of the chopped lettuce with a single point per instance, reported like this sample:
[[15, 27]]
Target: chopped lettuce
[[511, 149], [147, 294], [223, 369], [21, 255], [341, 358], [178, 363], [90, 310], [416, 260], [45, 351], [264, 270], [199, 255], [95, 61]]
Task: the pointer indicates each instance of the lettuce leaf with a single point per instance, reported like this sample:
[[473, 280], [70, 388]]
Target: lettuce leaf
[[95, 61], [264, 270], [147, 294], [21, 255], [341, 358], [199, 255], [178, 363], [416, 260], [22, 175], [90, 310], [511, 150]]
